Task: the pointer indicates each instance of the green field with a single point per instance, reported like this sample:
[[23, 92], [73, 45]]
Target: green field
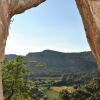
[[52, 95], [53, 92]]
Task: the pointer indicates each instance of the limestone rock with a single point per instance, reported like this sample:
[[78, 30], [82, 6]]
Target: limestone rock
[[90, 13], [9, 8]]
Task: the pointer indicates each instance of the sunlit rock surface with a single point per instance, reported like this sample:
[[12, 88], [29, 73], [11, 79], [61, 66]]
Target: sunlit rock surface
[[90, 13]]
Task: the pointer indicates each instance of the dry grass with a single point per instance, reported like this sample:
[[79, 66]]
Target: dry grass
[[58, 89]]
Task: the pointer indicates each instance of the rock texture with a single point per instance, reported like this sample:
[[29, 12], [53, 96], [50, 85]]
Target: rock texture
[[90, 13], [9, 8]]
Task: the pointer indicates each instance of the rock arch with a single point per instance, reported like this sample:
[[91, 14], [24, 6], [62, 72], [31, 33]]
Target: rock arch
[[89, 10]]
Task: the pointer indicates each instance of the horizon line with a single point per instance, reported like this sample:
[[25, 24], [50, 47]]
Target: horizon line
[[48, 50]]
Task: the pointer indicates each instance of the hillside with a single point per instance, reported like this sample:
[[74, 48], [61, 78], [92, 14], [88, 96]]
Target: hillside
[[52, 63]]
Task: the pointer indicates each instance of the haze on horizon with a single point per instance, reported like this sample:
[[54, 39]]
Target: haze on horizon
[[54, 25]]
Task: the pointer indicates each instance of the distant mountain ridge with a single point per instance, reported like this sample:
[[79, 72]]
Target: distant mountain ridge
[[58, 62]]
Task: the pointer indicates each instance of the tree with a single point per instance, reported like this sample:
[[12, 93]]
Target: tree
[[14, 78], [89, 91], [64, 95], [8, 8], [89, 10]]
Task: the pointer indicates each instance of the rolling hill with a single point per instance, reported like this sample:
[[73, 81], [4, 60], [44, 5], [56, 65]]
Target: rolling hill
[[51, 63]]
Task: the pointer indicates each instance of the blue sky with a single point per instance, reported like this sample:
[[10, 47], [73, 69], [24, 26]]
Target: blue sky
[[55, 25]]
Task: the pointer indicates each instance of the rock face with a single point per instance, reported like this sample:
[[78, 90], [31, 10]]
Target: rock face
[[90, 13], [9, 8]]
